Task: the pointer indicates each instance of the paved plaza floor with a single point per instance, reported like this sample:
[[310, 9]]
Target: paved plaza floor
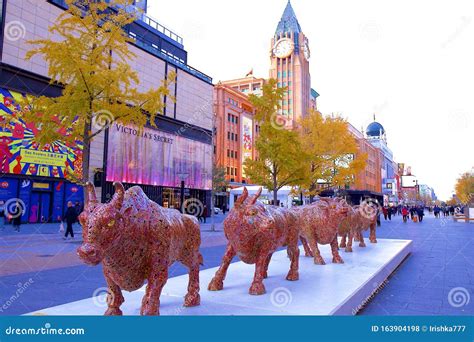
[[38, 269]]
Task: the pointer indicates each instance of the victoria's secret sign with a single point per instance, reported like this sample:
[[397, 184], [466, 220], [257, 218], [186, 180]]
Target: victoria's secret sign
[[148, 156], [143, 134]]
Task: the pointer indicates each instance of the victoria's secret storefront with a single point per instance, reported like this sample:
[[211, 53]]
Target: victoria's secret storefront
[[159, 162]]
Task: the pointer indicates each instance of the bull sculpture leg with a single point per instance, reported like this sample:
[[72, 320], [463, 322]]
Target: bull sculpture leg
[[318, 259], [343, 243], [361, 240], [267, 263], [257, 288], [373, 238], [336, 258], [114, 299], [156, 282], [294, 253], [217, 283], [192, 297], [307, 250]]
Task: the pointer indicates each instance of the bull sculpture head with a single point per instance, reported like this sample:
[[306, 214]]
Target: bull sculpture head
[[100, 224], [246, 209]]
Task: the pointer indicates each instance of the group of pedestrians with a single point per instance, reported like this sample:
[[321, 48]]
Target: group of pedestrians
[[15, 217], [416, 213], [446, 210]]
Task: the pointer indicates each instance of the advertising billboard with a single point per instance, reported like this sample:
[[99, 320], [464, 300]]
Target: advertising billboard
[[409, 181], [21, 154], [247, 141], [152, 157]]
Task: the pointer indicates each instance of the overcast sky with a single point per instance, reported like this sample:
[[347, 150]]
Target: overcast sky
[[411, 62]]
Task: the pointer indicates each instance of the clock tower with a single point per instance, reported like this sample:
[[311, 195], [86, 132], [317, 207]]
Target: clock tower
[[290, 56]]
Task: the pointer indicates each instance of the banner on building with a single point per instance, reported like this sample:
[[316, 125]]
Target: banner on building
[[152, 157], [21, 154], [247, 141]]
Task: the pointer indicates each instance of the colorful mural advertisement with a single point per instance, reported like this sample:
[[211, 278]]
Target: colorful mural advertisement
[[21, 154], [247, 140], [153, 157]]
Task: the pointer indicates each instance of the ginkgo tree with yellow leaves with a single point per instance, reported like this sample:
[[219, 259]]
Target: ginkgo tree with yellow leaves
[[89, 57], [281, 159], [465, 187], [333, 157]]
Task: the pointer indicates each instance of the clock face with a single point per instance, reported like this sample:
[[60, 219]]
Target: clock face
[[306, 51], [283, 48]]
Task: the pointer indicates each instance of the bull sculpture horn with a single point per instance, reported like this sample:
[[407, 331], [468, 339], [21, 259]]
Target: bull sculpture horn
[[117, 201], [90, 197], [242, 197], [255, 198]]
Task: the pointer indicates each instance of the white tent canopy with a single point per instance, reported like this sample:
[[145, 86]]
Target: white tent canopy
[[284, 196]]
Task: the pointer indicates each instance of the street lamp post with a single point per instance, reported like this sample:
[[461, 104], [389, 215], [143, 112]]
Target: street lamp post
[[211, 211], [182, 176]]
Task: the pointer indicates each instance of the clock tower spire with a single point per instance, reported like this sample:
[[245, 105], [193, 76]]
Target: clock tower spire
[[290, 66]]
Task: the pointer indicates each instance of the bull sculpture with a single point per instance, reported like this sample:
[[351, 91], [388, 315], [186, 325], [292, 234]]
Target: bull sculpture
[[319, 223], [360, 218], [254, 232], [136, 240]]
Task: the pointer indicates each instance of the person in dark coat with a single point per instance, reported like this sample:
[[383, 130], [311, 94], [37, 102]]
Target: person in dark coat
[[421, 213], [2, 215], [16, 221], [205, 213], [70, 218]]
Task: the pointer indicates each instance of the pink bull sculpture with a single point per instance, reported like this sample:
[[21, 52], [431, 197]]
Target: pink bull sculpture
[[137, 240], [320, 223], [254, 232]]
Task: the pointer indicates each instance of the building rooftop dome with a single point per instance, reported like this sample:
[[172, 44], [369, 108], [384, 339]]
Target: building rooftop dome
[[375, 129]]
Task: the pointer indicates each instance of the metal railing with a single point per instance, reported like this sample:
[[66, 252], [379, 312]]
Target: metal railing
[[160, 28]]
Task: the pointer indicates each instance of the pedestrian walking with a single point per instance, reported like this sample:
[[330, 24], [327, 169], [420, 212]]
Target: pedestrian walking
[[16, 220], [2, 215], [70, 218], [405, 214], [205, 213], [421, 214], [389, 213], [385, 213], [224, 208]]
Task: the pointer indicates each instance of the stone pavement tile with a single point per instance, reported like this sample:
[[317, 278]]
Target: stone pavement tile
[[411, 312], [422, 294], [430, 307]]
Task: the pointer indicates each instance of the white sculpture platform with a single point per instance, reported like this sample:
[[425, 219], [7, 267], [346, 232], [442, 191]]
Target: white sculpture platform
[[332, 289]]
